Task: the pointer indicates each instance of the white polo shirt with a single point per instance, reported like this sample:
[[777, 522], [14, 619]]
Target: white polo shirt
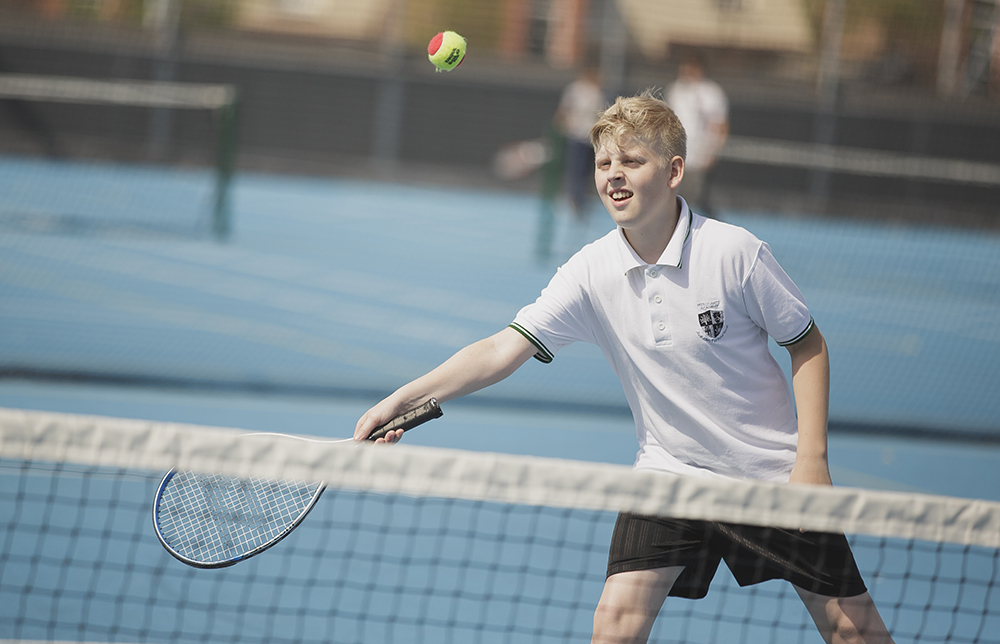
[[687, 338]]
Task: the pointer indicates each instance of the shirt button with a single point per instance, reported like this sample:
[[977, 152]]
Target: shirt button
[[661, 326], [657, 299], [652, 273]]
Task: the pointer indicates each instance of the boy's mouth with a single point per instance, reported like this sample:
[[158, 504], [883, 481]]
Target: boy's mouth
[[621, 195]]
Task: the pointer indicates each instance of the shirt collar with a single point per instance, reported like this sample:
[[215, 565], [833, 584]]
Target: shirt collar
[[672, 255]]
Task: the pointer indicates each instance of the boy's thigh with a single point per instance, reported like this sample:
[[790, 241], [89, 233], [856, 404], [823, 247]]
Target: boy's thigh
[[851, 617], [630, 603], [640, 589]]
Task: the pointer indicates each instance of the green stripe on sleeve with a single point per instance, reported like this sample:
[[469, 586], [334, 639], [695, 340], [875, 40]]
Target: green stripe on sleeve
[[799, 337], [543, 355]]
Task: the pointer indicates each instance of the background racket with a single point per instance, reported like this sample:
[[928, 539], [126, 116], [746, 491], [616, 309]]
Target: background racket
[[214, 521]]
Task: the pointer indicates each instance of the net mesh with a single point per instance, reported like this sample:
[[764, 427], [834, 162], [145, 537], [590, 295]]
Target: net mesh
[[429, 545]]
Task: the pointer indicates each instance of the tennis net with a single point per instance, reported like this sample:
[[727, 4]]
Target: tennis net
[[416, 544], [82, 155]]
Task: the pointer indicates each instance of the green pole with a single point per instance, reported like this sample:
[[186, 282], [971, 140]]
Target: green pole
[[551, 184], [226, 166]]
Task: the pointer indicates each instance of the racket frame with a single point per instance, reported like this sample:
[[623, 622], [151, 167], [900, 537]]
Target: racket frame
[[405, 421], [225, 563]]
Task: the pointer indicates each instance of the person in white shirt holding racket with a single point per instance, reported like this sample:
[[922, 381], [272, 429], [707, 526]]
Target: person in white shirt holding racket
[[682, 307]]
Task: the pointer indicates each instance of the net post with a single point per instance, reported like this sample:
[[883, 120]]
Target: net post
[[226, 165]]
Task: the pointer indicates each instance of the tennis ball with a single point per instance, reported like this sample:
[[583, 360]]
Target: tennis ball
[[446, 50]]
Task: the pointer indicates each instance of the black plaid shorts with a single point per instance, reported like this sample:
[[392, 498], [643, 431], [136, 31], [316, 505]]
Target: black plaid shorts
[[819, 562]]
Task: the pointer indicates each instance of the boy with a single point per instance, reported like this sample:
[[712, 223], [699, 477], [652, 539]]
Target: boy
[[682, 307]]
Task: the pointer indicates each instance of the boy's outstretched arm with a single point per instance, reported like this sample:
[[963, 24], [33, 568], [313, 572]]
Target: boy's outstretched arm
[[811, 385], [476, 366]]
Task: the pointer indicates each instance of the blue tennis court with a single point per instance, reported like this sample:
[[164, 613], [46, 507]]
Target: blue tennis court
[[348, 288], [333, 292]]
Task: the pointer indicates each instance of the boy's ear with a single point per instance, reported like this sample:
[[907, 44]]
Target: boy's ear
[[676, 171]]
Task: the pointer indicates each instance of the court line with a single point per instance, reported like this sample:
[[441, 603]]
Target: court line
[[300, 297], [859, 161], [270, 334], [310, 306], [346, 282]]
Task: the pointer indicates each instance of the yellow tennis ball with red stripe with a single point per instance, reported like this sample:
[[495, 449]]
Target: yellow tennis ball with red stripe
[[446, 50]]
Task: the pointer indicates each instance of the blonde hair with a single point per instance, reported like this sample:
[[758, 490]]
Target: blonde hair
[[646, 118]]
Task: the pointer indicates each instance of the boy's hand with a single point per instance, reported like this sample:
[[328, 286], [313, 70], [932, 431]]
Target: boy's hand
[[372, 427], [375, 418]]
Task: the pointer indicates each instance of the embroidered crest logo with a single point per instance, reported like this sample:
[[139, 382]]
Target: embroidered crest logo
[[713, 324]]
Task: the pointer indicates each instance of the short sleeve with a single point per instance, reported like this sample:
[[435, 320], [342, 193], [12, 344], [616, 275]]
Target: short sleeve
[[774, 302], [558, 318]]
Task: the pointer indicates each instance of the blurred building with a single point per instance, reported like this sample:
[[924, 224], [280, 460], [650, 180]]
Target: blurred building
[[323, 80], [349, 19], [950, 45], [769, 25]]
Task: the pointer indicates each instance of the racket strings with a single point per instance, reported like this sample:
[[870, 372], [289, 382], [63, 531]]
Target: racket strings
[[211, 518]]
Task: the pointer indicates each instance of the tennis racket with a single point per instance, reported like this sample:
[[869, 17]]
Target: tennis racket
[[215, 521]]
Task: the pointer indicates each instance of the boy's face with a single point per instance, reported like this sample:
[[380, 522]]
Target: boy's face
[[639, 193]]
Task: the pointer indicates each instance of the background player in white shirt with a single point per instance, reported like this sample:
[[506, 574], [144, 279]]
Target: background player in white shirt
[[703, 108], [580, 104], [707, 397]]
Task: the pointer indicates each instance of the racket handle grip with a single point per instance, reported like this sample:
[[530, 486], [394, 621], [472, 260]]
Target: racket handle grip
[[418, 416]]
